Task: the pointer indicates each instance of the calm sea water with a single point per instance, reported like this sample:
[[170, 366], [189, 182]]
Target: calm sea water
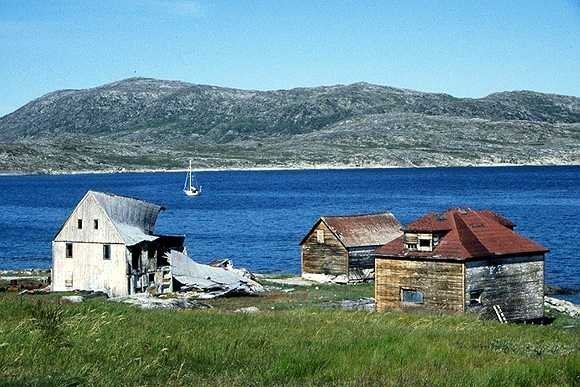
[[257, 218]]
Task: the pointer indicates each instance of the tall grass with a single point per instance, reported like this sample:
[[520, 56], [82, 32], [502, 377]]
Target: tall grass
[[111, 344]]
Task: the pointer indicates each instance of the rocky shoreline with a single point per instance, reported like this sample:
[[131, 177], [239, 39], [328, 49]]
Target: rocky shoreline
[[305, 167]]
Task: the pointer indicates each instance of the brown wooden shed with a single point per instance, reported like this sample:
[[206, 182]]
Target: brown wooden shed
[[462, 260], [344, 246]]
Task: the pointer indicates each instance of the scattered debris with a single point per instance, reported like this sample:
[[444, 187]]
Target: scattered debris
[[291, 281], [248, 310], [37, 274], [72, 299], [211, 281], [562, 306], [326, 278], [146, 301], [92, 294], [366, 304], [228, 265], [44, 290]]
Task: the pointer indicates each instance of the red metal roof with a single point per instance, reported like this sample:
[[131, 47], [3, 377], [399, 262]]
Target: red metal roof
[[465, 234], [362, 230]]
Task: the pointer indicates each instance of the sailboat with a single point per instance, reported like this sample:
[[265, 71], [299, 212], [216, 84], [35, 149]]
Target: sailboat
[[190, 187]]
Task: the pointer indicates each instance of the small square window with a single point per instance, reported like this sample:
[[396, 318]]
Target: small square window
[[411, 296], [79, 224], [107, 252], [69, 250], [96, 224]]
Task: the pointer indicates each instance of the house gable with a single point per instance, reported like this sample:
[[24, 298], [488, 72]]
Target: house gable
[[88, 210], [322, 252], [325, 227]]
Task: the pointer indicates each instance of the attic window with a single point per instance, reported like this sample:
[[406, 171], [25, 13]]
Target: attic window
[[96, 224], [425, 242], [79, 224], [411, 241], [320, 236], [411, 296]]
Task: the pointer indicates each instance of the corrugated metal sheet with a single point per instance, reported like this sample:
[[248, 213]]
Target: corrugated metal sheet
[[467, 234], [133, 218]]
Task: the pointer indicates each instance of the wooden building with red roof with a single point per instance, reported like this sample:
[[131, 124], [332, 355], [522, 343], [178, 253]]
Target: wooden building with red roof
[[343, 247], [462, 260]]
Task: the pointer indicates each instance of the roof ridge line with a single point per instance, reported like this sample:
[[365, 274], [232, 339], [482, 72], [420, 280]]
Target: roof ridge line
[[358, 215], [467, 230]]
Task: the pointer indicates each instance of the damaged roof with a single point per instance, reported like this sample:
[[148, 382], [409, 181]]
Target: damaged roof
[[465, 234], [134, 219], [361, 230]]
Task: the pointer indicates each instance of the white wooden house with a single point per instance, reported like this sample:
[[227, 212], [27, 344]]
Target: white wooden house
[[108, 244]]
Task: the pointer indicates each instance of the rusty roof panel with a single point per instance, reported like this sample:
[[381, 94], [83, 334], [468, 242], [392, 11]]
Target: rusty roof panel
[[465, 234], [364, 230]]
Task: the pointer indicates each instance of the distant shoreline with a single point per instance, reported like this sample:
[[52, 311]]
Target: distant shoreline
[[273, 168]]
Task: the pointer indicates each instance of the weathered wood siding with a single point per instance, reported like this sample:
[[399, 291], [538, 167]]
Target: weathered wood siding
[[87, 270], [440, 282], [329, 257], [514, 283]]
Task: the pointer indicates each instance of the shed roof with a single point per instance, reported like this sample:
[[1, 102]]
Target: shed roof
[[361, 230], [134, 219], [465, 234]]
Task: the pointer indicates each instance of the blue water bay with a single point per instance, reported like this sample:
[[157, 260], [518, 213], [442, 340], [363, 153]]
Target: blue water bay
[[257, 218]]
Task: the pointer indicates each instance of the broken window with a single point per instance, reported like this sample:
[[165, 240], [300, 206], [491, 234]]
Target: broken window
[[475, 297], [69, 250], [411, 296], [320, 236], [68, 280], [425, 242], [79, 224], [96, 224], [106, 251]]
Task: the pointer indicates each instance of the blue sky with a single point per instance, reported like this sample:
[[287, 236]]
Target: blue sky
[[464, 48]]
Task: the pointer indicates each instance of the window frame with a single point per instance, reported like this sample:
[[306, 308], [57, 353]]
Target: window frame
[[106, 252], [413, 290], [424, 242], [475, 297], [68, 250]]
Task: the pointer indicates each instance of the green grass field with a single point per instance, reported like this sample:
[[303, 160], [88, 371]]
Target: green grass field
[[295, 339]]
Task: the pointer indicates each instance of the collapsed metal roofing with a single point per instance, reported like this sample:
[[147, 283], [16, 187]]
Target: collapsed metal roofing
[[362, 230], [134, 219]]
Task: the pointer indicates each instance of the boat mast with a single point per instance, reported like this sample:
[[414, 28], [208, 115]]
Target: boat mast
[[190, 174]]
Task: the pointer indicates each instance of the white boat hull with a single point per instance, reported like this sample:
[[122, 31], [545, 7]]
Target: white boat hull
[[191, 192]]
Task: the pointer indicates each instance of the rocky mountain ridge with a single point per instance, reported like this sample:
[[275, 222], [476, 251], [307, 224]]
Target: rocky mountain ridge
[[149, 123]]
